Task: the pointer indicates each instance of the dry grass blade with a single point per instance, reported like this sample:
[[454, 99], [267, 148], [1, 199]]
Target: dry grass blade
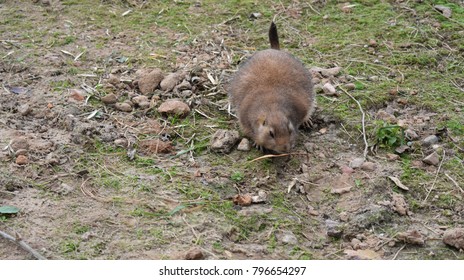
[[280, 155], [91, 193]]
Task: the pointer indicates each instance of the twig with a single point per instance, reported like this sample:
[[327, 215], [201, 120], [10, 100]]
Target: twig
[[436, 176], [366, 145], [454, 182], [396, 255], [23, 245]]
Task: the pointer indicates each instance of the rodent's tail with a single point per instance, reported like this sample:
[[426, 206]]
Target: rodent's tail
[[273, 37]]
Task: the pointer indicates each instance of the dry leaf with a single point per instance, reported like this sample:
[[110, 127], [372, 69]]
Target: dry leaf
[[398, 183]]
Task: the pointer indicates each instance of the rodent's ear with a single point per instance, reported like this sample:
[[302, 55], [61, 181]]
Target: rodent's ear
[[262, 120], [291, 128]]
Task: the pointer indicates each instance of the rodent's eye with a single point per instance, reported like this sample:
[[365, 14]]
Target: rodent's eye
[[271, 133]]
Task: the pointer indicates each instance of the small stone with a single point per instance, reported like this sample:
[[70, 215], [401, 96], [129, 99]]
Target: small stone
[[224, 140], [140, 99], [432, 159], [244, 145], [255, 15], [174, 107], [121, 142], [383, 115], [123, 107], [350, 86], [149, 81], [430, 140], [330, 72], [170, 81], [22, 160], [444, 10], [454, 237], [402, 149], [288, 238], [344, 216], [334, 229], [368, 166], [329, 89], [411, 134], [392, 157], [109, 99], [194, 254], [372, 43], [356, 163], [24, 109], [144, 105]]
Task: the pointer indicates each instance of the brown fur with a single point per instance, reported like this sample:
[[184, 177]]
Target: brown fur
[[273, 95]]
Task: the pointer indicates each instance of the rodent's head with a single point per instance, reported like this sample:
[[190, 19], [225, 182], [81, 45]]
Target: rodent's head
[[275, 132]]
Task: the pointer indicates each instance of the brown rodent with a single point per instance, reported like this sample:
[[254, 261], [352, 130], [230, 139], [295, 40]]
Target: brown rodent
[[273, 95]]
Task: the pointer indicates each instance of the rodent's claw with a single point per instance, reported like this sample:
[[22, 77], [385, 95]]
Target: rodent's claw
[[308, 123]]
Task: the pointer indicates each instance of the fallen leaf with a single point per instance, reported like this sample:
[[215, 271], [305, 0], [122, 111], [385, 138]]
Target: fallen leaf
[[341, 190], [398, 183], [242, 200]]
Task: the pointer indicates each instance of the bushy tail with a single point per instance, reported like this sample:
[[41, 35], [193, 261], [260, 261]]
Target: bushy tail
[[274, 37]]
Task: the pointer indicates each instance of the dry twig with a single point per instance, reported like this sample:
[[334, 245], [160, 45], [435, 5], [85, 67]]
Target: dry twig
[[23, 245]]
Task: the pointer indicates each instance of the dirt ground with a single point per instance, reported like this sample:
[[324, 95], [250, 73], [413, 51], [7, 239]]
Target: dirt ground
[[94, 179]]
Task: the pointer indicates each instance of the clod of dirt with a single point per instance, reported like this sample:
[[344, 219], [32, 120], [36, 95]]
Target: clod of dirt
[[174, 107], [399, 204], [330, 72], [334, 228], [155, 146], [432, 159], [329, 89], [141, 101], [194, 254], [368, 166], [367, 217], [22, 160], [387, 117], [242, 200], [392, 157], [224, 140], [287, 237], [444, 10], [170, 81], [411, 134], [411, 237], [357, 244], [19, 143], [113, 79], [123, 107], [362, 255], [357, 162], [24, 109], [244, 145], [148, 81], [454, 237], [109, 99], [430, 140]]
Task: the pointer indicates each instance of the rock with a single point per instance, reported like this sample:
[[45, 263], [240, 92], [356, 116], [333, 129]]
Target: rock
[[123, 106], [392, 157], [366, 218], [109, 99], [402, 149], [255, 15], [399, 204], [350, 86], [356, 163], [224, 140], [194, 254], [185, 85], [334, 229], [52, 159], [170, 81], [368, 166], [149, 81], [362, 255], [244, 145], [140, 99], [24, 109], [411, 134], [174, 107], [444, 10], [432, 159], [155, 146], [383, 115], [19, 143], [287, 237], [454, 237], [329, 89], [22, 160], [411, 237], [430, 140], [372, 43], [121, 142]]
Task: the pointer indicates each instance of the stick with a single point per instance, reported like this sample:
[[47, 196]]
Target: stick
[[23, 245], [396, 255], [366, 145], [454, 182], [436, 176]]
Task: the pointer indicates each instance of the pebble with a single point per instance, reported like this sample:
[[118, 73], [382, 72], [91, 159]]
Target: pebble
[[430, 140], [350, 86], [383, 115], [19, 143], [139, 99], [22, 160], [432, 159], [120, 142], [454, 237], [123, 106], [24, 109], [368, 166], [244, 145], [334, 229], [149, 81], [288, 238], [113, 79], [356, 163], [446, 11], [411, 134], [170, 81], [194, 254], [109, 99], [174, 107], [224, 140], [329, 89], [392, 157]]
